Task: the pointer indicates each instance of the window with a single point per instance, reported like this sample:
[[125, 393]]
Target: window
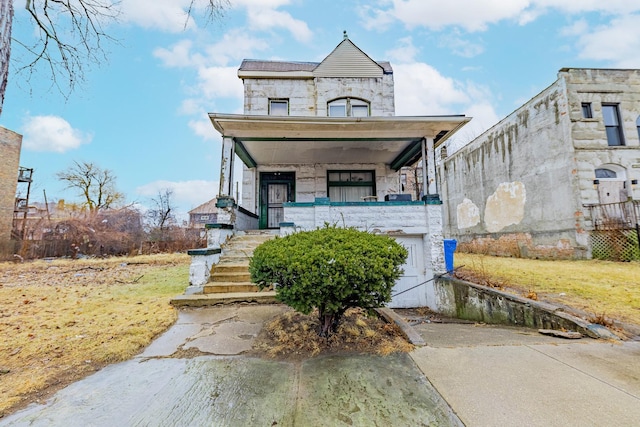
[[611, 117], [350, 186], [344, 107], [204, 217], [605, 173], [587, 113], [278, 107], [638, 125]]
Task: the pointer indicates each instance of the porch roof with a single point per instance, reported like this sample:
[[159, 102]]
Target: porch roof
[[393, 140]]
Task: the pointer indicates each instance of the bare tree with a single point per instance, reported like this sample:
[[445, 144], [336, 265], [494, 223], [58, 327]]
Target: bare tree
[[161, 215], [71, 35], [97, 186]]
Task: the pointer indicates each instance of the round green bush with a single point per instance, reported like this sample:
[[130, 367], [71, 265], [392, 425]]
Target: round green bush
[[331, 269]]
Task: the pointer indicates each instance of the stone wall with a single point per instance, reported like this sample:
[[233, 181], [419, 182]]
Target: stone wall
[[311, 180], [309, 97], [10, 143], [516, 178]]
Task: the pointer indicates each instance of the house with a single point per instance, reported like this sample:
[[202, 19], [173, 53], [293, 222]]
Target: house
[[206, 213], [319, 143], [556, 177], [10, 144]]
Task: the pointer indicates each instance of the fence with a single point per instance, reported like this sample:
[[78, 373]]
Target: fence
[[616, 231]]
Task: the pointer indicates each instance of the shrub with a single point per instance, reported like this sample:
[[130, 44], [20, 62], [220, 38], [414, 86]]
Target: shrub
[[329, 269]]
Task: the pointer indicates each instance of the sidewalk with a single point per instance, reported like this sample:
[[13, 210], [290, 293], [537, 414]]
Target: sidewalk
[[195, 375]]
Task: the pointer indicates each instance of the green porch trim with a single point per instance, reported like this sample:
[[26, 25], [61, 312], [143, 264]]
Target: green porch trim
[[225, 202], [287, 224], [244, 155], [432, 199], [407, 156], [219, 226], [205, 251], [339, 204]]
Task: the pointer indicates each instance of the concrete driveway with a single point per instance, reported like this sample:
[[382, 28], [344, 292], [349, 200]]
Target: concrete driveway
[[195, 375]]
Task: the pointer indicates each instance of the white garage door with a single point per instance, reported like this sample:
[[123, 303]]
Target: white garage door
[[414, 274]]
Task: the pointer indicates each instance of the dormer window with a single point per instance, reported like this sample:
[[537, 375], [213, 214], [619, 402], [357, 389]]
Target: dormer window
[[348, 107]]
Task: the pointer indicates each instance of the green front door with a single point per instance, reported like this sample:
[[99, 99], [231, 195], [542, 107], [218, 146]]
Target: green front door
[[276, 188]]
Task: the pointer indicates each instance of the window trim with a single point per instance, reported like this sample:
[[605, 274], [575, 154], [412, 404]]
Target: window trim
[[371, 184], [279, 101], [617, 128], [347, 100]]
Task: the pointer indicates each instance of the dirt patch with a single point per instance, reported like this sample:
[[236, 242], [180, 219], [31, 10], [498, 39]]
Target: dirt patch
[[294, 336]]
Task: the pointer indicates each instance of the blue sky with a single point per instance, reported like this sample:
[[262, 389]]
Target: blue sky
[[143, 114]]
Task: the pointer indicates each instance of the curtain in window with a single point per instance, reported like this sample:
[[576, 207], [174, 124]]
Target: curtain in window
[[349, 194]]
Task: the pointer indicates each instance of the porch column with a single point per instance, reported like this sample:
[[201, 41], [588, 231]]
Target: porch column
[[431, 167], [226, 169]]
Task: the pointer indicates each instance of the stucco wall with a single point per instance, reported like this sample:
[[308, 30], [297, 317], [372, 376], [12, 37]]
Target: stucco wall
[[511, 190], [10, 143]]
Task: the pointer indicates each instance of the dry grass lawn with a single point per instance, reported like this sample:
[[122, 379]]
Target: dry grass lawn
[[602, 289], [63, 319]]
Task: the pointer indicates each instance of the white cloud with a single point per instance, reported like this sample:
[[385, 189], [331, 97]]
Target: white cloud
[[214, 82], [423, 90], [164, 15], [266, 19], [405, 53], [435, 14], [204, 128], [179, 55], [52, 133], [459, 46], [477, 15], [617, 43]]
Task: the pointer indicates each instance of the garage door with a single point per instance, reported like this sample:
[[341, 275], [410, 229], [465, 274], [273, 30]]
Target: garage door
[[414, 274]]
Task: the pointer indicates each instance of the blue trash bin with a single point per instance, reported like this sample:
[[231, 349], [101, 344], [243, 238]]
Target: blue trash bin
[[449, 249]]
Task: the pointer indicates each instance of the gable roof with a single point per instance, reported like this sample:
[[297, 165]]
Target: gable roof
[[205, 208], [346, 60]]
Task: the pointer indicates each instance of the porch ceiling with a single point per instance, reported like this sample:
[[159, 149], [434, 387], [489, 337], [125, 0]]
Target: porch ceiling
[[392, 140]]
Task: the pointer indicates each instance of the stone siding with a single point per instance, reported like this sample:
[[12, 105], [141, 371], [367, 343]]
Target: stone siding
[[519, 189], [10, 143]]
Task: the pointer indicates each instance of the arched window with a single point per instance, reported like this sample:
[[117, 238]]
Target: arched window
[[605, 173], [348, 107]]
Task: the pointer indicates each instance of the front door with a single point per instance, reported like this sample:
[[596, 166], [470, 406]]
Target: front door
[[276, 188]]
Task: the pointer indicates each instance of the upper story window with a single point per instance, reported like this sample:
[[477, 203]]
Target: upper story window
[[587, 112], [348, 107], [278, 107], [638, 125], [611, 116]]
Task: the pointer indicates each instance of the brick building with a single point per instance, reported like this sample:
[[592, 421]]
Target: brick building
[[10, 144]]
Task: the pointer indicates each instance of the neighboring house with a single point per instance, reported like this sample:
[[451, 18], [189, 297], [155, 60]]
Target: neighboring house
[[319, 143], [206, 213], [10, 144], [551, 177]]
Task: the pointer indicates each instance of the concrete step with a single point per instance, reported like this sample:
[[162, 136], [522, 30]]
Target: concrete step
[[231, 267], [230, 276], [203, 300], [229, 287]]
